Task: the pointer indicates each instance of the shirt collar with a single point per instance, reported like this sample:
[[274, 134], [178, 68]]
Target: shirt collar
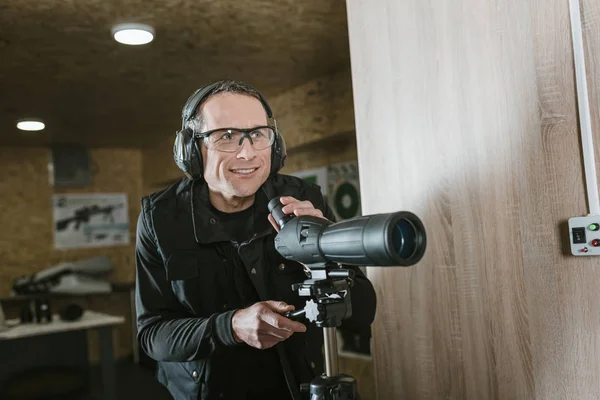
[[206, 224]]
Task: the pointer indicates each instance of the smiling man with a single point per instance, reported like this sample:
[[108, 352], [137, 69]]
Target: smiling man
[[211, 289], [239, 161]]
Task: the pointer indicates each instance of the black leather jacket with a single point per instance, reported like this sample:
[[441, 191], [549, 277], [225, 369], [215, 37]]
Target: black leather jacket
[[183, 308]]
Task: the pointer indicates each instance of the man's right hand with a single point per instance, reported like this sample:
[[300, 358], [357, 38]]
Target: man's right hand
[[262, 325]]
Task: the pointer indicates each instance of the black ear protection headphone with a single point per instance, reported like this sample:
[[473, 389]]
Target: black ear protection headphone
[[186, 149]]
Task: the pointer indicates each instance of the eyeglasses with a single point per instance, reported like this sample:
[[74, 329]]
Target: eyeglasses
[[230, 139]]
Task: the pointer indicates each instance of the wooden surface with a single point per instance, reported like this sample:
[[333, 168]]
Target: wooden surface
[[474, 107], [89, 320]]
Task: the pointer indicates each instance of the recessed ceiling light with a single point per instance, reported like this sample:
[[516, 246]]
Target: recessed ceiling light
[[30, 125], [133, 34]]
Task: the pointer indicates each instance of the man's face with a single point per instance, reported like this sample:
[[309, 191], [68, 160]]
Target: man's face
[[241, 173]]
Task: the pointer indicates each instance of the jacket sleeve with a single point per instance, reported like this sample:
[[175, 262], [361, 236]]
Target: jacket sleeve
[[166, 331], [362, 294]]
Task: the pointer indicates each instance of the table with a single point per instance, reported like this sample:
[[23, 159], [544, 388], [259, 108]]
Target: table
[[89, 320]]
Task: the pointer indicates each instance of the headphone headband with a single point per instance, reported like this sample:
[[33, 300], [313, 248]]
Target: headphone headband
[[193, 102]]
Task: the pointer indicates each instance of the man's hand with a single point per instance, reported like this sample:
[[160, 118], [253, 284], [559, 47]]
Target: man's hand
[[262, 326], [296, 207]]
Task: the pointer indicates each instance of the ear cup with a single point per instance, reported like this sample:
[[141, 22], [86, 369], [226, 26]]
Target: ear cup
[[278, 154], [186, 154]]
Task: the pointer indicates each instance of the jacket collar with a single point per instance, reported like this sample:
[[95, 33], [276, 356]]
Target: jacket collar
[[206, 223]]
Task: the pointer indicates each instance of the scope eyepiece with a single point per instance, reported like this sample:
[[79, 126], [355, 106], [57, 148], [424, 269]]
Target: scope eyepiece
[[276, 209]]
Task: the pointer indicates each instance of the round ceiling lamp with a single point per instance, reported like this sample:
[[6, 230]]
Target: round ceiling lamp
[[133, 34], [30, 125]]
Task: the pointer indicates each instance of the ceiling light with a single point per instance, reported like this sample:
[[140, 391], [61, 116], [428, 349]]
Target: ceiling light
[[30, 125], [133, 34]]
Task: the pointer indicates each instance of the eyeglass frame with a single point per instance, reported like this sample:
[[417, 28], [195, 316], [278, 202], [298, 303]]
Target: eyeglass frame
[[245, 134]]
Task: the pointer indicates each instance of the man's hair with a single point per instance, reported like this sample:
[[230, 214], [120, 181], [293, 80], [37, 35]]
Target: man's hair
[[223, 86]]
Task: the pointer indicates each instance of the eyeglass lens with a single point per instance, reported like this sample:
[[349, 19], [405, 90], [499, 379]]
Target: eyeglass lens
[[231, 140]]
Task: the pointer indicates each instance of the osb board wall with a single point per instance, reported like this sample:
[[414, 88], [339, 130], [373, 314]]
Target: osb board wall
[[322, 154], [139, 86], [159, 168], [477, 117], [26, 237], [305, 115], [316, 109]]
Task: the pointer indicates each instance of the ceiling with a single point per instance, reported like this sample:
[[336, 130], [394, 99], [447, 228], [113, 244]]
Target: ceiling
[[58, 61]]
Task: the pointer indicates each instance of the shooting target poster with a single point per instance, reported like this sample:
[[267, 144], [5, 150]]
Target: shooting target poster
[[344, 190], [90, 220]]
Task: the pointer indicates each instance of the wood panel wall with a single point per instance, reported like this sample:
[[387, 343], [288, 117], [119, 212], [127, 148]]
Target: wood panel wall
[[474, 108]]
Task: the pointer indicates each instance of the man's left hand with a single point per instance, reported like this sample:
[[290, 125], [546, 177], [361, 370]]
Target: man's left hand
[[296, 207]]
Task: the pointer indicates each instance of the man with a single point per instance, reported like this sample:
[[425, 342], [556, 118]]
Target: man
[[211, 289]]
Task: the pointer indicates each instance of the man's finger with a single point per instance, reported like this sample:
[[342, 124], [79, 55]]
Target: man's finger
[[308, 211], [266, 329], [273, 222], [280, 306], [288, 209], [278, 334], [281, 322], [287, 200]]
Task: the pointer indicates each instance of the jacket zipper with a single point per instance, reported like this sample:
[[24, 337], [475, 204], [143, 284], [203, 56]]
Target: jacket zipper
[[239, 246]]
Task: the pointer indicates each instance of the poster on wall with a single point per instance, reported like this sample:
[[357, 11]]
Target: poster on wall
[[90, 220], [344, 190], [317, 176]]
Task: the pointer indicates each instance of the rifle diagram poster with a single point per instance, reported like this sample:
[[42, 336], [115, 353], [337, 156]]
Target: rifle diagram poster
[[90, 220]]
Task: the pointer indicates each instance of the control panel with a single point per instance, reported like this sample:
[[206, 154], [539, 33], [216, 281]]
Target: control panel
[[584, 233]]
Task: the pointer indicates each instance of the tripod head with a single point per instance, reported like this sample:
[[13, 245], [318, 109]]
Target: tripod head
[[329, 304], [329, 292]]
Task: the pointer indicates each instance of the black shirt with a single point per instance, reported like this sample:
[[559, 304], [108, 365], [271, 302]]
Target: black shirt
[[264, 372]]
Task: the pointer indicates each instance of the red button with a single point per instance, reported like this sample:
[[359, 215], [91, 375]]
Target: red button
[[595, 242]]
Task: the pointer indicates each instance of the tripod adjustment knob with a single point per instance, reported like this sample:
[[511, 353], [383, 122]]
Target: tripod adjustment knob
[[312, 311]]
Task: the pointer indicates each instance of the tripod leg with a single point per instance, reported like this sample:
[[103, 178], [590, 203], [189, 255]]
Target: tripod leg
[[331, 357]]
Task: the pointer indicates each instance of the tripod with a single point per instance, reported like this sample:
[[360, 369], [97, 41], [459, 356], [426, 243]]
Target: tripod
[[330, 303]]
